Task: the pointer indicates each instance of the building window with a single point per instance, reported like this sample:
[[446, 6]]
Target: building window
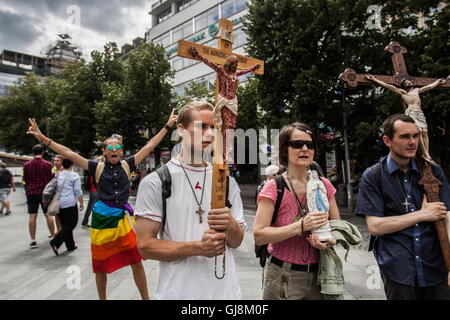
[[164, 15], [183, 4], [244, 78], [241, 38], [230, 7], [240, 5], [3, 90], [177, 63], [182, 31], [206, 18], [163, 40]]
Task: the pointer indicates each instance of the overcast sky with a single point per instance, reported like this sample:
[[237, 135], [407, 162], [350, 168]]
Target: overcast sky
[[29, 26]]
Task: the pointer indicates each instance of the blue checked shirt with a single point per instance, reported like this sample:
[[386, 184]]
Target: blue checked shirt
[[411, 256]]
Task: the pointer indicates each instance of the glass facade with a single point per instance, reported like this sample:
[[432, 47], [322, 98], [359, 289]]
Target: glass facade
[[164, 15], [182, 31], [7, 80], [230, 7], [206, 18], [183, 4], [163, 40], [195, 29], [241, 38], [200, 22]]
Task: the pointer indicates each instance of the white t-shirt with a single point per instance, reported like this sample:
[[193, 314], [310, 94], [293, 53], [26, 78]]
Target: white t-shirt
[[193, 277]]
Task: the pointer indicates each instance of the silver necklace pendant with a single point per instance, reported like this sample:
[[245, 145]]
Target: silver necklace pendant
[[405, 194], [406, 204], [200, 213]]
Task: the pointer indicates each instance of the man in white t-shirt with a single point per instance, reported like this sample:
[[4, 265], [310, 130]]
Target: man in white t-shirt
[[191, 241]]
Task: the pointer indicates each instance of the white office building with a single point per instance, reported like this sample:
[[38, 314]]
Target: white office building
[[195, 21]]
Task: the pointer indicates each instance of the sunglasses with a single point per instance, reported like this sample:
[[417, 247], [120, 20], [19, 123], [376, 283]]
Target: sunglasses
[[111, 147], [298, 144]]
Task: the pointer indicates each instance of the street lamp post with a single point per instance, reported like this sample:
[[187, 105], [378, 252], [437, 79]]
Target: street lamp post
[[347, 157]]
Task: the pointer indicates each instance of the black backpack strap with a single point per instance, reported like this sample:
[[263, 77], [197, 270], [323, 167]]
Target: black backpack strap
[[166, 191], [377, 175], [281, 185]]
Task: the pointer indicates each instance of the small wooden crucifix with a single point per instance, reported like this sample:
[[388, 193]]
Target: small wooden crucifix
[[411, 104]]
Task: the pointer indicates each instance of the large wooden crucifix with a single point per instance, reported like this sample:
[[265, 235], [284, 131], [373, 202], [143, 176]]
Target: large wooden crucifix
[[411, 103], [352, 79], [226, 64], [219, 56]]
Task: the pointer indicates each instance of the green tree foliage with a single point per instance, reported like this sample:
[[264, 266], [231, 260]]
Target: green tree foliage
[[26, 100], [248, 115], [88, 101], [196, 91], [141, 101], [73, 100]]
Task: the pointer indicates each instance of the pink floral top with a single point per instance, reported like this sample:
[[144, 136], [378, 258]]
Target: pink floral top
[[296, 249]]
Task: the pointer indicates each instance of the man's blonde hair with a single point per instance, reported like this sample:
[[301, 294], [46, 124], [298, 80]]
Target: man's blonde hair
[[185, 113]]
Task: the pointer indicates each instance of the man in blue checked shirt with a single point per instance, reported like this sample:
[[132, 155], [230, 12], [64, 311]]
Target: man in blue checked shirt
[[406, 246]]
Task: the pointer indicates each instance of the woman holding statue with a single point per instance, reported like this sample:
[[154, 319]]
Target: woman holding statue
[[293, 259]]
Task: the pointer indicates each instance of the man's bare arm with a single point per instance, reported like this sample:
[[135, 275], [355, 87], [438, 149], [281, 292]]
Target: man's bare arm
[[385, 85], [211, 244], [431, 85], [385, 225]]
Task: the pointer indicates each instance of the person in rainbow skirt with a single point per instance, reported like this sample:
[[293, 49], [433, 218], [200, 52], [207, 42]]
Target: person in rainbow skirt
[[113, 239]]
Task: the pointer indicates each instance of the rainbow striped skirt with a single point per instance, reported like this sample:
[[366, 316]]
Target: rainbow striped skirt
[[113, 240]]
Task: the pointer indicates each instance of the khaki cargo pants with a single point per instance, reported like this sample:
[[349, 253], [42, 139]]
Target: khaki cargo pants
[[282, 283]]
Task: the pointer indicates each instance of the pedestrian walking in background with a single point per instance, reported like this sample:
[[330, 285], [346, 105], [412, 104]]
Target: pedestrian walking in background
[[89, 186], [57, 168], [36, 174], [271, 172], [69, 188], [6, 185]]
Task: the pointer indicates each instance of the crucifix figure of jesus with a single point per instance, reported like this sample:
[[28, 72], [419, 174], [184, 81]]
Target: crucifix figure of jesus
[[403, 84], [226, 109], [412, 106], [228, 66]]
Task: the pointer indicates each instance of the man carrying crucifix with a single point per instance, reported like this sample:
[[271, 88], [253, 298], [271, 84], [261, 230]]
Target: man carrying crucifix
[[191, 233], [226, 110], [411, 104], [406, 247]]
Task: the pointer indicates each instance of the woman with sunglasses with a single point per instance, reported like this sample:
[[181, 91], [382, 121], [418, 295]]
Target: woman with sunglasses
[[291, 268], [113, 240]]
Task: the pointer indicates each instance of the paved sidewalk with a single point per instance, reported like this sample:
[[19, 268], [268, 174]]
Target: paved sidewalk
[[39, 274]]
